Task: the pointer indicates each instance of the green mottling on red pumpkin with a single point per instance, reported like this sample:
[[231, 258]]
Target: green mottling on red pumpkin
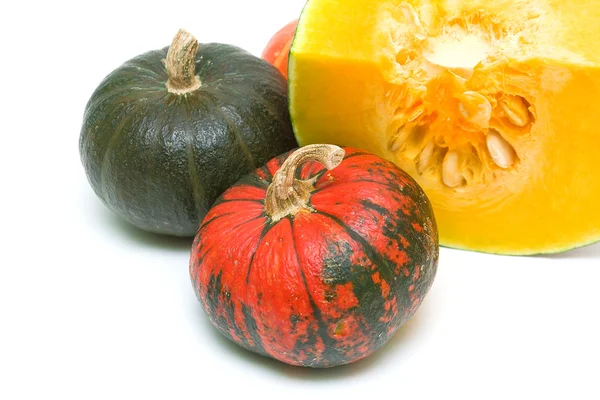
[[319, 288], [417, 227]]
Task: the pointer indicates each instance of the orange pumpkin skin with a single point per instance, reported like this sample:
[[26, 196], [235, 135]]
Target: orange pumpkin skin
[[277, 49], [323, 287]]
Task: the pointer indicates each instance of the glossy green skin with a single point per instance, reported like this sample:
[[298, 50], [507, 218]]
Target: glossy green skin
[[159, 160]]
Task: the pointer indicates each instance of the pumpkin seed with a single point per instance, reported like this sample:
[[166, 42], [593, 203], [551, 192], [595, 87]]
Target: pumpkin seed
[[451, 175], [425, 157], [516, 110], [416, 113], [395, 143], [411, 15], [475, 108], [501, 152], [414, 141]]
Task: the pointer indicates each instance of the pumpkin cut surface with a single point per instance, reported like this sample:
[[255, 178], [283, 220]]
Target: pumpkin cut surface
[[322, 274], [492, 106]]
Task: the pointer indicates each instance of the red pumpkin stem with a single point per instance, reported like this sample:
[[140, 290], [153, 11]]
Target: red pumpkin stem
[[287, 195], [181, 64]]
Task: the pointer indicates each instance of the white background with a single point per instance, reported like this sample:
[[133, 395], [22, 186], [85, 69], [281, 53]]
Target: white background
[[93, 309]]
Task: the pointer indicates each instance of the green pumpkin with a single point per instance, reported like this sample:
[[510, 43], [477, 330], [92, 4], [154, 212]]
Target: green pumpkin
[[170, 130]]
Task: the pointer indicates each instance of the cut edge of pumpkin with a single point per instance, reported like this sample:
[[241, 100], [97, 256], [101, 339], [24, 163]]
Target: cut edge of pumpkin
[[525, 252]]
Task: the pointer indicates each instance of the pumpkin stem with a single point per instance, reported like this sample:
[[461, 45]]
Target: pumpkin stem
[[181, 64], [287, 195]]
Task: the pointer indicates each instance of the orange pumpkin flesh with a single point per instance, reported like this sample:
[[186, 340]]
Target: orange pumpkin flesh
[[492, 106]]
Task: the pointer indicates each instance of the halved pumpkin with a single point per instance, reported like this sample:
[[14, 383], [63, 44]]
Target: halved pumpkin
[[493, 106]]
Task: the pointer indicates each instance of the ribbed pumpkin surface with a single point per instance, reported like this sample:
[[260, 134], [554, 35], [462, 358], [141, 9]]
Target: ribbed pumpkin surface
[[323, 287]]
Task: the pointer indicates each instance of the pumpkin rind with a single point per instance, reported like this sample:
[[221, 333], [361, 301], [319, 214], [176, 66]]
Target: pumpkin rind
[[158, 159], [277, 49], [320, 288]]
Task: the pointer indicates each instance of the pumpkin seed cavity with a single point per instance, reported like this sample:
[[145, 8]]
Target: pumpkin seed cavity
[[450, 122]]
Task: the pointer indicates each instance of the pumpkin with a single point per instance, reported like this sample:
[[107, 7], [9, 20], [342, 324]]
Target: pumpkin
[[168, 131], [278, 48], [316, 258], [492, 106]]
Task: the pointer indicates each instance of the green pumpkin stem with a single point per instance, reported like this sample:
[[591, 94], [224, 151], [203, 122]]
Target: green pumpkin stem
[[181, 64], [287, 195]]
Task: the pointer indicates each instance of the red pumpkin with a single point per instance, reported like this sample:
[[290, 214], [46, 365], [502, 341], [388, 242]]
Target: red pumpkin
[[278, 48], [317, 258]]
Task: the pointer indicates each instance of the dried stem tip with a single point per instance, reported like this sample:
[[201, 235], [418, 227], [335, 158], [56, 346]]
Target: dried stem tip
[[181, 64], [287, 195]]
